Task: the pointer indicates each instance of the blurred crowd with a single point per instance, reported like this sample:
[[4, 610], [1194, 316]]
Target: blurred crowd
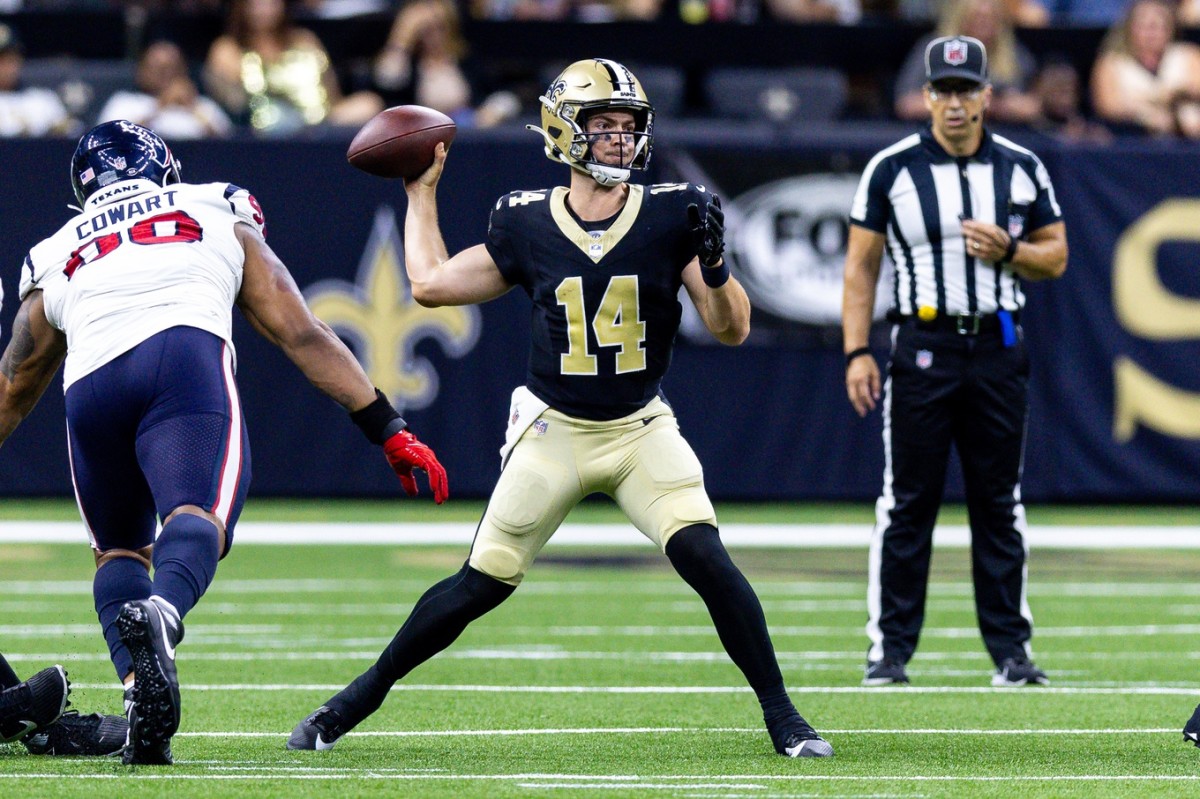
[[266, 73]]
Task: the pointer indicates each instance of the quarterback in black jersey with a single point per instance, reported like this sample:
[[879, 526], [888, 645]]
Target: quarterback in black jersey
[[602, 262]]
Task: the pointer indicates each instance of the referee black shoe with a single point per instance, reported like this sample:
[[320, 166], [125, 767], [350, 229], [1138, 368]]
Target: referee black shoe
[[1192, 731], [1018, 671], [33, 704], [884, 672]]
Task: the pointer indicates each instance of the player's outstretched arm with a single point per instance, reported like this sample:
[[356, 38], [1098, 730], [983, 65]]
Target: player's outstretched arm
[[33, 355], [275, 307], [437, 279]]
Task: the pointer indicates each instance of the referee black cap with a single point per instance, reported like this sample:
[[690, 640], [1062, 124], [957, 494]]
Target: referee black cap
[[960, 57]]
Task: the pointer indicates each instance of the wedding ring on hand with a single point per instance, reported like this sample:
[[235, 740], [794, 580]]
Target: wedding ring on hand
[[974, 245]]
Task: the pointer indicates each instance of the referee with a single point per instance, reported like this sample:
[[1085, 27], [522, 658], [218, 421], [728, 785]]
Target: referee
[[966, 215]]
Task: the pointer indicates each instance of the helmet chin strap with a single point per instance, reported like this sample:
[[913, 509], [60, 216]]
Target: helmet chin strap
[[607, 175]]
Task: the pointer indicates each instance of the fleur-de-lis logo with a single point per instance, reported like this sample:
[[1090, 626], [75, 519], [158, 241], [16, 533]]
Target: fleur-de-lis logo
[[383, 323]]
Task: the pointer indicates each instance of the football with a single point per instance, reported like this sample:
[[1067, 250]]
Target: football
[[399, 142]]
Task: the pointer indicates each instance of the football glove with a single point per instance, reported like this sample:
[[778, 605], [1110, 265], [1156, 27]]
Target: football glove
[[404, 452], [708, 233]]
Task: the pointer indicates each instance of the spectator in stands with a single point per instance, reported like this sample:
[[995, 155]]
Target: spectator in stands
[[1188, 14], [423, 63], [1144, 78], [697, 12], [576, 10], [343, 9], [1010, 65], [29, 111], [166, 99], [1023, 13], [276, 75], [1057, 88], [845, 12]]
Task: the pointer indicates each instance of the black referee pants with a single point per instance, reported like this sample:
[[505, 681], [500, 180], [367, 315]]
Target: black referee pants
[[944, 387]]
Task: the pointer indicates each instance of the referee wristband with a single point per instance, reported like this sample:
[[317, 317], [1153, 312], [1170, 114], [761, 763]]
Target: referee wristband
[[852, 354], [379, 421], [1011, 251]]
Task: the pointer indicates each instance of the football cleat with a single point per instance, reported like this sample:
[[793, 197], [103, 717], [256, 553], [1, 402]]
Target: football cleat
[[1018, 671], [794, 737], [884, 672], [151, 633], [1191, 732], [73, 734], [33, 704], [318, 732]]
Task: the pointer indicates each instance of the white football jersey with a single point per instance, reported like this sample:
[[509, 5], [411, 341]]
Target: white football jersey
[[139, 259]]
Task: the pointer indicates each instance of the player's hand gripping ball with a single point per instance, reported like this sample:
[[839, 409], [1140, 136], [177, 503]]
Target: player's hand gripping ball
[[399, 142]]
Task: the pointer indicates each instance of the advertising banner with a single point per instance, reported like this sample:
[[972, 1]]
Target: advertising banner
[[1115, 410]]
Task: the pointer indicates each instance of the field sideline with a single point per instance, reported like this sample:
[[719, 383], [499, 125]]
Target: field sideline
[[602, 676]]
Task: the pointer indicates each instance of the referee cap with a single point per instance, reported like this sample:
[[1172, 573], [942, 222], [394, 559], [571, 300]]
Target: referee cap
[[956, 57]]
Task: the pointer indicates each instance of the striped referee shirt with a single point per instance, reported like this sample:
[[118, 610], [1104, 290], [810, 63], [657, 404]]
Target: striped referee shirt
[[916, 192]]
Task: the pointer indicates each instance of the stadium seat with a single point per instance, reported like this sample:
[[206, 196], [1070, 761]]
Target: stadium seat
[[779, 95], [83, 84]]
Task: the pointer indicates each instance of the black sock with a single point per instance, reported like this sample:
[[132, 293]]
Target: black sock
[[437, 619], [698, 555], [8, 677]]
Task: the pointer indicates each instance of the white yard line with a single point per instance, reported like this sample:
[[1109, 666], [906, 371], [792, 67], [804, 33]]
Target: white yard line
[[676, 781], [1023, 693], [734, 535], [673, 730]]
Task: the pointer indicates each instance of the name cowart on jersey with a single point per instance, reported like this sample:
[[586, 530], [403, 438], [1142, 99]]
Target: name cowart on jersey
[[605, 302], [140, 259]]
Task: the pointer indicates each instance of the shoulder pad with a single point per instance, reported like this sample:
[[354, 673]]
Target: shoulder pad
[[246, 207], [520, 199]]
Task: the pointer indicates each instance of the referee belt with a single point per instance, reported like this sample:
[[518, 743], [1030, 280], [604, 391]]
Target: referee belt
[[963, 324]]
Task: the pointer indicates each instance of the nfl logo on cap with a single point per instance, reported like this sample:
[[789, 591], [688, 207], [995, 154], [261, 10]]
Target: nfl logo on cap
[[956, 57]]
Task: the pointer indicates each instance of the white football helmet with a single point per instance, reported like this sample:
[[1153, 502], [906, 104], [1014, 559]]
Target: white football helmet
[[583, 88]]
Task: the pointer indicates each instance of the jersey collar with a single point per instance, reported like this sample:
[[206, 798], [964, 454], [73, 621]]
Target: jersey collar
[[939, 156]]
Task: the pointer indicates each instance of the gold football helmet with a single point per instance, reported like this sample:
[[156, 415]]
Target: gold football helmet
[[582, 89]]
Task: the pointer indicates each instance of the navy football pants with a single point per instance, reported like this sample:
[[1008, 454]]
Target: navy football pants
[[158, 427]]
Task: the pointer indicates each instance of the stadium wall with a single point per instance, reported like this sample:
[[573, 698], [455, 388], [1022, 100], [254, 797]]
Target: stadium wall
[[1115, 412]]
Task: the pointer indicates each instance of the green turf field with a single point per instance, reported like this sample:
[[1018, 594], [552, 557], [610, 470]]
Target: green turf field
[[601, 677]]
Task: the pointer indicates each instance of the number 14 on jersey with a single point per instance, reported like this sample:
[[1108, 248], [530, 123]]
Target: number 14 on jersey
[[617, 323]]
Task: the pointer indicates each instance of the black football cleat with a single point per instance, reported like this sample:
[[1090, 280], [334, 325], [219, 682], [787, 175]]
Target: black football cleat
[[33, 704], [318, 732], [795, 737], [1191, 732], [151, 633], [93, 735]]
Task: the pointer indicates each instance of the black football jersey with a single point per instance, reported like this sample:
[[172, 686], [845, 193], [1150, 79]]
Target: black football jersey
[[605, 302]]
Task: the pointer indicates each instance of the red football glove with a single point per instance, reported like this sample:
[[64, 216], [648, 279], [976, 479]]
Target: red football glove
[[403, 452]]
